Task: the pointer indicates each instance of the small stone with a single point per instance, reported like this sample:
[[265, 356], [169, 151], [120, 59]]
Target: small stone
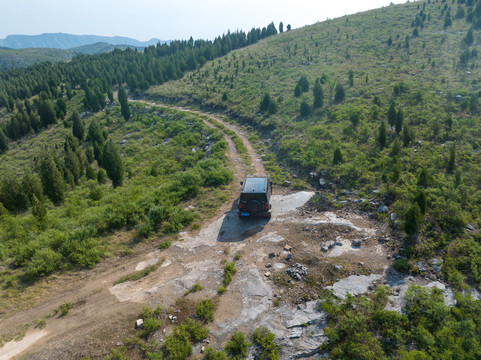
[[357, 242], [361, 263], [267, 274], [337, 267], [287, 248], [202, 349], [139, 323], [382, 209], [272, 255], [289, 257], [268, 265]]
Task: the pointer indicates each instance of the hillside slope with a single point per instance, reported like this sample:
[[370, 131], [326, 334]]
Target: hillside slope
[[396, 120]]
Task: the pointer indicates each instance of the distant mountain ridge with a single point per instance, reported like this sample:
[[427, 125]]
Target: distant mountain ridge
[[67, 41]]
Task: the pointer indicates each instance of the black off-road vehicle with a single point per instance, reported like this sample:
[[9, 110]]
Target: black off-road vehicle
[[255, 197]]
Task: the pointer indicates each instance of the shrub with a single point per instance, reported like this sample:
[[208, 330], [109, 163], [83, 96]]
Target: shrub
[[229, 271], [195, 330], [205, 310], [212, 354], [164, 245], [237, 346], [401, 265], [144, 230], [96, 193], [43, 262], [65, 308], [177, 345], [194, 288], [265, 340], [151, 320]]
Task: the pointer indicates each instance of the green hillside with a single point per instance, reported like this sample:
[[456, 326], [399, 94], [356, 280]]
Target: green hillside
[[404, 71], [13, 58]]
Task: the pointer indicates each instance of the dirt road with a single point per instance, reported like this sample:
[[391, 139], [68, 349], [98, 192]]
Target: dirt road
[[261, 293]]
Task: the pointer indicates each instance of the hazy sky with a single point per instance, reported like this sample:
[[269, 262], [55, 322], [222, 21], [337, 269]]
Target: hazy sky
[[167, 20]]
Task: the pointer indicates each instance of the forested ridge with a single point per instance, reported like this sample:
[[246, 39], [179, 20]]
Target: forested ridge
[[44, 102]]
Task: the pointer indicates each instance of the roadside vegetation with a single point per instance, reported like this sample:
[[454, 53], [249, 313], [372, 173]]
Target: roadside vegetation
[[383, 104], [113, 175]]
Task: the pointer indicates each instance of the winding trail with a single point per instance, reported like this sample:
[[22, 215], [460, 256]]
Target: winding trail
[[256, 166], [100, 317]]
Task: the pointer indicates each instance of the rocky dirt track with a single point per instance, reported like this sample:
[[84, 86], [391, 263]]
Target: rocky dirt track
[[319, 248]]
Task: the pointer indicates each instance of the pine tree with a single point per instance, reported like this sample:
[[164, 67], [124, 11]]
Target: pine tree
[[265, 102], [47, 113], [451, 166], [399, 121], [113, 164], [297, 90], [337, 158], [318, 95], [340, 93], [305, 110], [382, 135], [12, 194], [421, 200], [281, 27], [391, 114], [413, 219], [53, 185], [124, 103], [78, 128], [3, 142]]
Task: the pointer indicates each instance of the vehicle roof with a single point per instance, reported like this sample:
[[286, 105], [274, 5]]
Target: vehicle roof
[[255, 185]]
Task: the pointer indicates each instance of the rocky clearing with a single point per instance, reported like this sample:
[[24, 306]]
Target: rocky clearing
[[338, 250]]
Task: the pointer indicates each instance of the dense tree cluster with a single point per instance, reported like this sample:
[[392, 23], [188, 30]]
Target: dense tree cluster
[[97, 74]]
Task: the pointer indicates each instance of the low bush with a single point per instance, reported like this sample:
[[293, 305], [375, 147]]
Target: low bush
[[237, 346], [263, 338], [205, 310]]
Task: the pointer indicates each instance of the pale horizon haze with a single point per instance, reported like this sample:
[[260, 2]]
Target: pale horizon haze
[[168, 20]]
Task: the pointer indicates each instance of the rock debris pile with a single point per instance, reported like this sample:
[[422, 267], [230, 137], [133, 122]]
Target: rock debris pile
[[297, 271]]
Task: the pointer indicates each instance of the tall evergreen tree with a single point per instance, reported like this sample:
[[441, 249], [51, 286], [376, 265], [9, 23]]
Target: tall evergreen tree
[[382, 135], [391, 114], [340, 93], [399, 121], [265, 102], [78, 127], [3, 142], [281, 27], [318, 95], [52, 182], [47, 113], [337, 158], [124, 103], [113, 164], [12, 195], [451, 166]]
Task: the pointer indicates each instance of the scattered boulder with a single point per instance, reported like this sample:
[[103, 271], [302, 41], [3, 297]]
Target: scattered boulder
[[382, 209], [357, 242], [297, 271], [139, 324]]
